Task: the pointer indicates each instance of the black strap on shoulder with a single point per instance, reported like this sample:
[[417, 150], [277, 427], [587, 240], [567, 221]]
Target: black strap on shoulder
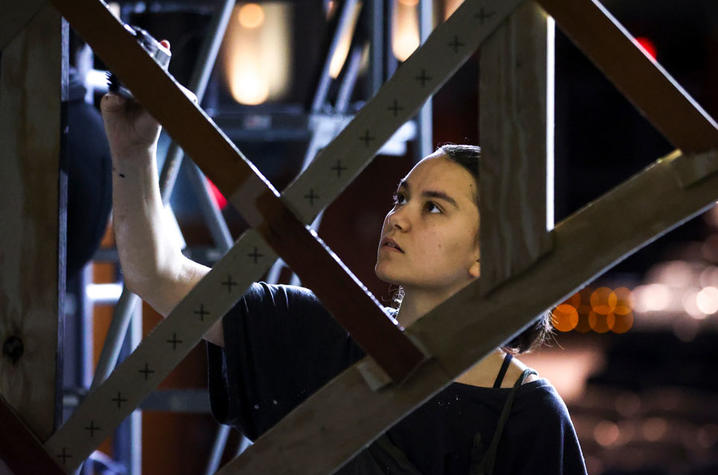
[[502, 372], [486, 465]]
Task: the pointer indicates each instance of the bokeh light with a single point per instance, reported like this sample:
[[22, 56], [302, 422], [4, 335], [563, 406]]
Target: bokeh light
[[651, 297], [690, 304], [707, 300], [654, 428], [251, 15], [583, 326], [600, 323], [406, 30], [647, 46], [606, 433], [564, 317], [622, 323], [603, 300], [575, 300], [677, 274], [624, 301]]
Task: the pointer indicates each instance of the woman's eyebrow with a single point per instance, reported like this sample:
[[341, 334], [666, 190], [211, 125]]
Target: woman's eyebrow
[[430, 194], [440, 195]]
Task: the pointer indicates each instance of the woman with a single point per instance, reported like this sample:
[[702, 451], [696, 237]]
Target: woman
[[278, 344]]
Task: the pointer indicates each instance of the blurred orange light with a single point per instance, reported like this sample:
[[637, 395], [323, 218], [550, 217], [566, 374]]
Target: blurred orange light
[[624, 302], [621, 323], [603, 300], [600, 323], [564, 317], [251, 15], [583, 325], [575, 299]]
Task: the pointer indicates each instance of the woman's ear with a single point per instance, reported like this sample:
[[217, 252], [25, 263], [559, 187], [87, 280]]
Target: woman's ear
[[475, 269]]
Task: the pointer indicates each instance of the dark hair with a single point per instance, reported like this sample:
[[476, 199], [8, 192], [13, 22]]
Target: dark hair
[[535, 335]]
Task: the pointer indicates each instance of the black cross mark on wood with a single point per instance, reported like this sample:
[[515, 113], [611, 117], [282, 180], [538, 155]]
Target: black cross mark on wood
[[119, 399], [64, 455], [201, 312], [174, 341], [255, 255], [395, 108], [229, 283], [311, 196], [92, 428], [423, 78], [339, 168], [366, 138], [456, 44], [146, 371], [482, 15]]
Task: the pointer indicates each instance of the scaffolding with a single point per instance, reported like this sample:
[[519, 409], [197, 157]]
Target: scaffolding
[[403, 367]]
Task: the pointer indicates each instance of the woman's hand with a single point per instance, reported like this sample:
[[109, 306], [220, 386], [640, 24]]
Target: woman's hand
[[131, 130]]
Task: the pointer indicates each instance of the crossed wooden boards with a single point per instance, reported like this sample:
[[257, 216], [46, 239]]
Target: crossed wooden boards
[[348, 413]]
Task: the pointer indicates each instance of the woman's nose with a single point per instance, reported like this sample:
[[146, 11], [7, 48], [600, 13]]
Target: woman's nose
[[398, 219]]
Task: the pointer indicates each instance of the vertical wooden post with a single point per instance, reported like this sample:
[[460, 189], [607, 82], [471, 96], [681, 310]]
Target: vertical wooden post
[[516, 137], [30, 283], [15, 17]]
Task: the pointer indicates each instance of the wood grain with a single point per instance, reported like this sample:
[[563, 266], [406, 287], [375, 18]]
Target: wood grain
[[29, 296], [513, 192]]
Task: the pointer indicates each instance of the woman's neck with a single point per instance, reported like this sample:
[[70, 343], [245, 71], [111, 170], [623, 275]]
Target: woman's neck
[[417, 303]]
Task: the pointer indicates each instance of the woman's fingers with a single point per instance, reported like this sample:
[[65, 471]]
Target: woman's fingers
[[112, 103]]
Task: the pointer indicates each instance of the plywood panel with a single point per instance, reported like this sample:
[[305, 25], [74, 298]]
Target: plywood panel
[[30, 142], [516, 146]]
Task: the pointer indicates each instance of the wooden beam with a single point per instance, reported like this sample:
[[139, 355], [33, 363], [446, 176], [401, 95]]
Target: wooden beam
[[516, 168], [15, 15], [345, 415], [642, 80], [20, 449], [255, 198], [30, 118]]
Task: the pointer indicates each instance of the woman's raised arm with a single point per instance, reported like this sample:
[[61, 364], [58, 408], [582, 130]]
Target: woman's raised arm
[[152, 262]]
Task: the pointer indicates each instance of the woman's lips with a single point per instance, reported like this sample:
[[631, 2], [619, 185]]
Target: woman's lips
[[390, 244]]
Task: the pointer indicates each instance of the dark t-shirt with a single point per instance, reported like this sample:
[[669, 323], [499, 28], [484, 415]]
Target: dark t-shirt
[[281, 345]]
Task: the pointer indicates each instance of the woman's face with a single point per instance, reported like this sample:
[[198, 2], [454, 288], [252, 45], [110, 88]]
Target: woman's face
[[429, 238]]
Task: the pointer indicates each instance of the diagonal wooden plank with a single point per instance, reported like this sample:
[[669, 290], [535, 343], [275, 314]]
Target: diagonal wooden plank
[[516, 137], [399, 99], [160, 351], [14, 18], [345, 415], [255, 198], [20, 449], [641, 79]]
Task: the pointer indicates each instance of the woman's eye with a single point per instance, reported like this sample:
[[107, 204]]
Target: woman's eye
[[431, 207], [399, 198]]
